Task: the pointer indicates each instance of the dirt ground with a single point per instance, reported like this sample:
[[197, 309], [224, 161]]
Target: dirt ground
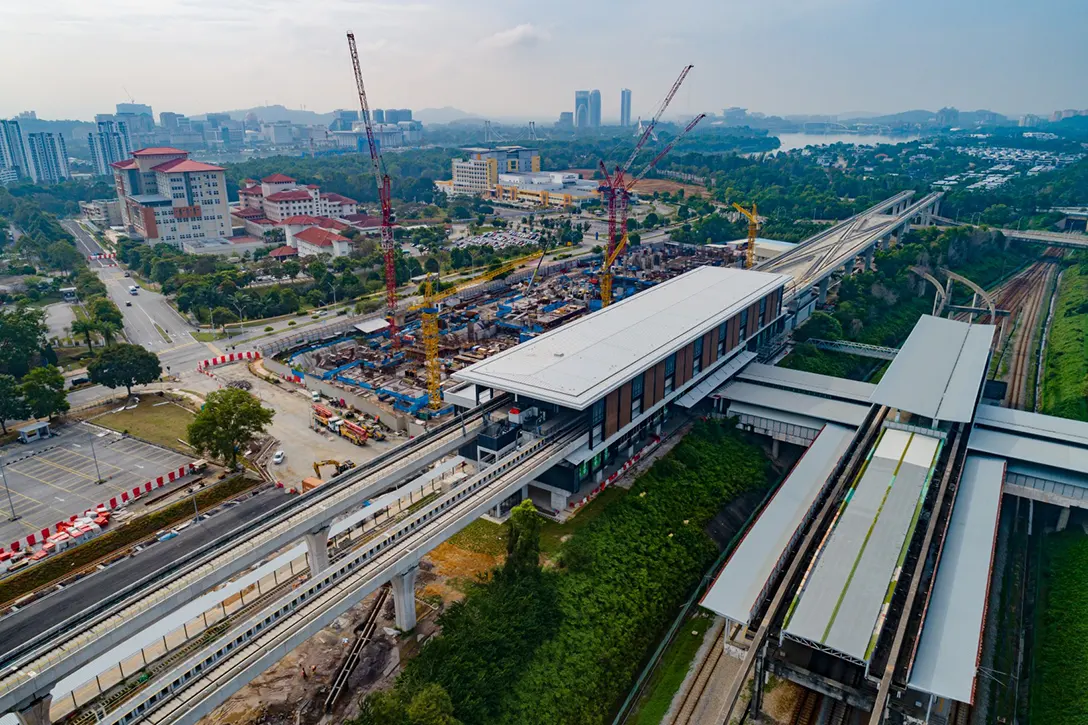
[[291, 427], [649, 186], [283, 696]]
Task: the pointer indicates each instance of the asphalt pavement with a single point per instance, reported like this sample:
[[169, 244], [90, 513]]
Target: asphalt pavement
[[38, 616], [150, 321]]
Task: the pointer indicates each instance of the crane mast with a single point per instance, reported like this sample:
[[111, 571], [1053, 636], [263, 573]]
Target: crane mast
[[381, 179], [753, 233], [616, 188]]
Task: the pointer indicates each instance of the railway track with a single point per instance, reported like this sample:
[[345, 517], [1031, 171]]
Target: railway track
[[808, 709], [685, 714]]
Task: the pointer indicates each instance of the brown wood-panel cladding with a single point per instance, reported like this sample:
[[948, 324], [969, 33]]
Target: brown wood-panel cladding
[[659, 382], [611, 413], [753, 319], [684, 359], [625, 404], [732, 333], [710, 347]]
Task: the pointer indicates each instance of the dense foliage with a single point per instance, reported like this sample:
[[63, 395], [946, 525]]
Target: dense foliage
[[1065, 375], [563, 646], [1059, 685], [881, 307]]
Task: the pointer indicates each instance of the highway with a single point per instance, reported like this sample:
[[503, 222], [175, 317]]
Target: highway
[[30, 621], [33, 666], [821, 255], [205, 680]]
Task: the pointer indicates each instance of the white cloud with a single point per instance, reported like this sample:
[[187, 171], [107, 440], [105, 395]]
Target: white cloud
[[519, 36]]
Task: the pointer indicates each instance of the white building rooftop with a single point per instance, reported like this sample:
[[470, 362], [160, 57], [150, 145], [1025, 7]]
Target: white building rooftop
[[580, 362], [939, 370]]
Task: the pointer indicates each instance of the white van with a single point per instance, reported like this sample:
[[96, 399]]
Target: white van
[[133, 289]]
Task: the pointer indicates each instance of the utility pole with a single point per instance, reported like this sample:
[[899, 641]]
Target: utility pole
[[3, 472], [97, 473]]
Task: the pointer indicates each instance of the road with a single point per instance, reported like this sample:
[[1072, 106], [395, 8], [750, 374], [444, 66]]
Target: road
[[35, 618], [150, 321]]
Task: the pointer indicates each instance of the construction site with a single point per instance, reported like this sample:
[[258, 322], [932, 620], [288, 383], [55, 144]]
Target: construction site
[[368, 370]]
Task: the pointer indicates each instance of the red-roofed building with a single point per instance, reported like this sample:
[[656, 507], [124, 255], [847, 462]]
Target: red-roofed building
[[315, 240], [279, 197], [284, 252], [167, 197]]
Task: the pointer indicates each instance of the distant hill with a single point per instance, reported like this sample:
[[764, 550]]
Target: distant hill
[[446, 114], [280, 113], [918, 116]]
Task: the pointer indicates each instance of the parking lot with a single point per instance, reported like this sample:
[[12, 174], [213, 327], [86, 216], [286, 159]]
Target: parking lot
[[52, 479]]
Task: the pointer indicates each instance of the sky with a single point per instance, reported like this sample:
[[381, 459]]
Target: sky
[[515, 58]]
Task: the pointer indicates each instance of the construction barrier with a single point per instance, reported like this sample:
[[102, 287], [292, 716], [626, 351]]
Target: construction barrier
[[229, 358], [104, 255], [113, 503]]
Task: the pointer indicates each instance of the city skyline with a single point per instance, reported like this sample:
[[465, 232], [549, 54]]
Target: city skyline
[[414, 53]]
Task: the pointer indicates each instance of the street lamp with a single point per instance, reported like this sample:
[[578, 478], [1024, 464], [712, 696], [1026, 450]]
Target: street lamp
[[14, 516], [97, 473]]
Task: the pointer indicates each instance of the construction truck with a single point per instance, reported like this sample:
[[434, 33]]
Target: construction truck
[[354, 432], [322, 418], [340, 467]]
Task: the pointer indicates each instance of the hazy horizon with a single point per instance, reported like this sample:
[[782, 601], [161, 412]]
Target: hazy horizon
[[820, 57]]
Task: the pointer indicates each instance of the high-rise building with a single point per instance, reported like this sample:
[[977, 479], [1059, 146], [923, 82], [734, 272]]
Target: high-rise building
[[48, 158], [342, 120], [566, 121], [110, 144], [480, 171], [948, 117], [28, 115], [136, 109], [170, 121], [595, 108], [625, 106], [396, 115], [12, 151], [167, 197], [376, 116], [581, 109]]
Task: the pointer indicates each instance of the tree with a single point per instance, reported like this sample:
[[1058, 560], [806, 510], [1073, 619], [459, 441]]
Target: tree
[[229, 420], [22, 336], [820, 326], [523, 539], [163, 270], [43, 390], [109, 330], [431, 265], [12, 405], [431, 706], [62, 255], [104, 310], [291, 268], [125, 365], [86, 328]]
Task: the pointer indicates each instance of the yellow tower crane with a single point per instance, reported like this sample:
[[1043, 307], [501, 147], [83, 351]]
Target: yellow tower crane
[[753, 233], [429, 309]]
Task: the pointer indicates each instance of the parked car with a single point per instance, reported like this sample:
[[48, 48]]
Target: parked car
[[278, 457]]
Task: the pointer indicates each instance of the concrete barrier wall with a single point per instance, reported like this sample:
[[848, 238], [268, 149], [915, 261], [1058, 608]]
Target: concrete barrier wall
[[396, 421]]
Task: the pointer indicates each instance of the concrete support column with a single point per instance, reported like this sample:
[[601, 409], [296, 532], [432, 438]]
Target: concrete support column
[[37, 713], [317, 550], [870, 253], [822, 288], [404, 599], [1063, 518], [774, 447]]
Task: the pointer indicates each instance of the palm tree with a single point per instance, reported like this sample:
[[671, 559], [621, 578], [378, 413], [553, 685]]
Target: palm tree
[[86, 328], [109, 331]]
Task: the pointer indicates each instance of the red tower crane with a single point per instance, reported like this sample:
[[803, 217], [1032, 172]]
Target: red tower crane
[[616, 189], [381, 178]]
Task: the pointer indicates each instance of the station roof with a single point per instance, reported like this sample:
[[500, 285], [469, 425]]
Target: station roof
[[811, 406], [806, 382], [1033, 425], [938, 371], [947, 659], [738, 588], [580, 362], [841, 605]]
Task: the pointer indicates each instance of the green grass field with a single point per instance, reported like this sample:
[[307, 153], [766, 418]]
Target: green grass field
[[671, 671], [1066, 366], [152, 421]]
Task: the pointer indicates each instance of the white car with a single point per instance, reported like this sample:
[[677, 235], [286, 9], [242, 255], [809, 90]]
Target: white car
[[278, 457]]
